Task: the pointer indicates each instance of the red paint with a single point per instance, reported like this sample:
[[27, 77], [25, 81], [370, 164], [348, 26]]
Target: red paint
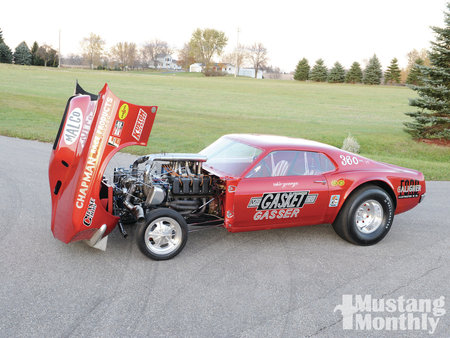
[[366, 171], [87, 156]]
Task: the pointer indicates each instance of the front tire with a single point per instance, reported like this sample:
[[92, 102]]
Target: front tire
[[162, 235], [366, 216]]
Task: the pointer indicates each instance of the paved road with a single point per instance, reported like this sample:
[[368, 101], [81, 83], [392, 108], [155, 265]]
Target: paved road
[[269, 283]]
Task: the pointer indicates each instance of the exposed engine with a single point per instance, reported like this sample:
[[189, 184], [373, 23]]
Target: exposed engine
[[175, 181]]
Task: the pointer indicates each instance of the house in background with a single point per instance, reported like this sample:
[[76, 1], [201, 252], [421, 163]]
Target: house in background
[[226, 68], [165, 61], [220, 67], [250, 72], [196, 67]]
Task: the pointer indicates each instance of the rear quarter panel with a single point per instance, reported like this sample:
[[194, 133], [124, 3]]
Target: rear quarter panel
[[405, 186]]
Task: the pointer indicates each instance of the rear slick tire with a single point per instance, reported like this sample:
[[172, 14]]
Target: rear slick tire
[[162, 235], [366, 216]]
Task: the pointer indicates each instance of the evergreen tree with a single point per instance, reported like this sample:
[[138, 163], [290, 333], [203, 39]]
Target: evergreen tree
[[392, 74], [372, 73], [35, 58], [354, 75], [337, 74], [414, 74], [5, 53], [1, 36], [22, 54], [432, 119], [319, 72], [302, 70]]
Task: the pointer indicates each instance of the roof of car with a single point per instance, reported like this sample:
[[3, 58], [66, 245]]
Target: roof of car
[[274, 141]]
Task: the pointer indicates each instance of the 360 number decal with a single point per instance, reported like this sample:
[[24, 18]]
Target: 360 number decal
[[349, 160]]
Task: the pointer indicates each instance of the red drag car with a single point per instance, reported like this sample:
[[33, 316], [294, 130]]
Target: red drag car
[[242, 182]]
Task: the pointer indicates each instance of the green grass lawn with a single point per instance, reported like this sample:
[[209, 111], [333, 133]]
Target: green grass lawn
[[194, 111]]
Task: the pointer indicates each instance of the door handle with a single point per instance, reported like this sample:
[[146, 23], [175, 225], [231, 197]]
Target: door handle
[[323, 182]]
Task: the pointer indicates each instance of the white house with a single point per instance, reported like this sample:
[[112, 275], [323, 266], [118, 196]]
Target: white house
[[250, 72], [226, 68], [165, 61], [196, 67]]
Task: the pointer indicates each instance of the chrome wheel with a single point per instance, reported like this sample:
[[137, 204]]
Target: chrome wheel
[[163, 236], [369, 216]]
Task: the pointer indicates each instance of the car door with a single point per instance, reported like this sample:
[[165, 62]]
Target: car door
[[286, 188]]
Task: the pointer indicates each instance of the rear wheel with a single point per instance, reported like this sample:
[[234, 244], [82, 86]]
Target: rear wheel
[[366, 216], [162, 235]]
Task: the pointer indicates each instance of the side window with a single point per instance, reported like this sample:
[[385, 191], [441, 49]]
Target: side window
[[292, 163]]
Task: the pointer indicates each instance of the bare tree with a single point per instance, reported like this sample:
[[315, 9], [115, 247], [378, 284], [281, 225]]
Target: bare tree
[[414, 55], [46, 53], [72, 59], [185, 57], [125, 54], [92, 48], [152, 50], [272, 72], [237, 57], [257, 53]]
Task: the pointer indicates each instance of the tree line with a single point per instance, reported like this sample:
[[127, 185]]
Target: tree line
[[43, 55], [372, 73], [202, 47]]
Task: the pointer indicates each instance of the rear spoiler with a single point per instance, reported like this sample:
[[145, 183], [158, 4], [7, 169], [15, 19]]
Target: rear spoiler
[[92, 130]]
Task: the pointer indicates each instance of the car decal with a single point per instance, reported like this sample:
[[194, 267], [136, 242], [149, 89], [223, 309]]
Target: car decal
[[340, 183], [409, 189], [279, 205], [334, 201]]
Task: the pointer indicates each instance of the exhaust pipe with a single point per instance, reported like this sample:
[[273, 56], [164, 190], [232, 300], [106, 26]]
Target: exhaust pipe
[[136, 210]]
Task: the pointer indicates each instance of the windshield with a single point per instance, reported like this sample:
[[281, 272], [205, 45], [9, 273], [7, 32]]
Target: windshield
[[230, 156]]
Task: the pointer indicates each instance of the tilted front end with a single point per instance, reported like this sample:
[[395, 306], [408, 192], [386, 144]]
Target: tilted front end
[[92, 130]]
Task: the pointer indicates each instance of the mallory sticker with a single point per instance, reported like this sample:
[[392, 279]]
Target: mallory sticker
[[123, 111]]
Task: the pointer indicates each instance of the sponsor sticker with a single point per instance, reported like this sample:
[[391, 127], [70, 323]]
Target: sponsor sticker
[[86, 127], [340, 183], [334, 201], [280, 204], [254, 202], [114, 141], [72, 129], [90, 211], [123, 111], [409, 189], [118, 126], [94, 153], [139, 125]]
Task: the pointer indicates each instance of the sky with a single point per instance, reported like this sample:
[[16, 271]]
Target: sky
[[334, 30]]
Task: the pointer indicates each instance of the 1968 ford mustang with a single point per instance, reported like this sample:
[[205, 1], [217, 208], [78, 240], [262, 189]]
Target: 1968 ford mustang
[[242, 182]]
